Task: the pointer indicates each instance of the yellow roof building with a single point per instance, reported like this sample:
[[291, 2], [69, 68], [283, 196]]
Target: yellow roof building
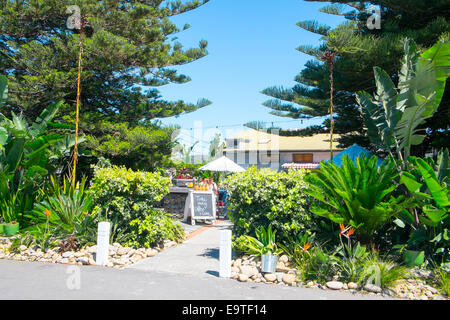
[[264, 149]]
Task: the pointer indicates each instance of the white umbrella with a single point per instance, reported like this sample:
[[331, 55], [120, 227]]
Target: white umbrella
[[223, 164]]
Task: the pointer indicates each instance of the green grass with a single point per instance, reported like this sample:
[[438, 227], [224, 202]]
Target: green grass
[[383, 273], [443, 280]]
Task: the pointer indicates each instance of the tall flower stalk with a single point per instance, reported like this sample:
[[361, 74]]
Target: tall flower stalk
[[329, 57], [83, 24]]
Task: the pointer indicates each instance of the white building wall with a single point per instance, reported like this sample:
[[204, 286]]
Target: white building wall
[[288, 157]]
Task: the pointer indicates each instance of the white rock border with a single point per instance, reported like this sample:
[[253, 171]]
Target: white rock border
[[248, 269], [119, 257]]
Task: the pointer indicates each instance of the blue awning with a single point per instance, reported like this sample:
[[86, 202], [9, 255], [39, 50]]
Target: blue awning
[[353, 152]]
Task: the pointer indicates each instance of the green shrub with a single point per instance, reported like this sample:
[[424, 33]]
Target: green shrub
[[443, 280], [66, 203], [352, 262], [153, 230], [383, 272], [64, 211], [427, 183], [259, 198], [316, 264], [122, 195], [360, 195]]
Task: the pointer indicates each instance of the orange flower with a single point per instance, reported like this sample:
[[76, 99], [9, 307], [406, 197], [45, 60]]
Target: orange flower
[[85, 213], [346, 231], [306, 247], [350, 232], [47, 213]]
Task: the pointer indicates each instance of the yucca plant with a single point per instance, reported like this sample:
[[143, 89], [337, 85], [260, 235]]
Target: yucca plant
[[358, 195]]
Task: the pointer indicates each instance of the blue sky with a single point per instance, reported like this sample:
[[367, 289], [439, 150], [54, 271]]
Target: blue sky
[[251, 45]]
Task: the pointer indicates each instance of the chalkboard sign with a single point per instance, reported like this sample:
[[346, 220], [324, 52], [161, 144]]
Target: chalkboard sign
[[200, 205], [203, 204]]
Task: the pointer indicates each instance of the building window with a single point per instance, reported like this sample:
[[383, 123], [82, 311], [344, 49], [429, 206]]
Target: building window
[[303, 158]]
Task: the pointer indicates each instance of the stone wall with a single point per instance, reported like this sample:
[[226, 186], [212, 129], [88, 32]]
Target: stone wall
[[173, 203]]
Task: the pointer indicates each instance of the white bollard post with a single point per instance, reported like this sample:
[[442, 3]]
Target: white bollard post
[[102, 243], [225, 254]]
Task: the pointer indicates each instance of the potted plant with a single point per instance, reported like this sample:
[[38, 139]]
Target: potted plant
[[9, 216], [265, 246], [11, 228]]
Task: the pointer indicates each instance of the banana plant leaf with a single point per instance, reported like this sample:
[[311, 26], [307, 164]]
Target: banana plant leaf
[[438, 192], [413, 258]]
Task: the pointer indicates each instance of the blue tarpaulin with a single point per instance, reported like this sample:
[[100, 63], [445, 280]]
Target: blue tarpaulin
[[353, 152]]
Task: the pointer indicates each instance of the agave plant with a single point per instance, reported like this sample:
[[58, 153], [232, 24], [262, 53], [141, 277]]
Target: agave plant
[[394, 115], [69, 205], [358, 195]]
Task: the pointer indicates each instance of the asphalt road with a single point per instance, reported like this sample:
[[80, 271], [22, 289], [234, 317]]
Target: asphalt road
[[35, 280]]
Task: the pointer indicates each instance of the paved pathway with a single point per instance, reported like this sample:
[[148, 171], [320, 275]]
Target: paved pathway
[[197, 256]]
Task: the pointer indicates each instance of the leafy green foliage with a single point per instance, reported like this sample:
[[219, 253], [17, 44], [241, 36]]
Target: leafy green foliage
[[351, 262], [27, 155], [153, 230], [63, 211], [259, 198], [358, 49], [426, 182], [264, 243], [443, 279], [301, 242], [40, 236], [140, 147], [128, 51], [394, 115], [316, 264], [413, 258], [384, 272], [431, 194], [359, 195], [66, 203], [122, 195]]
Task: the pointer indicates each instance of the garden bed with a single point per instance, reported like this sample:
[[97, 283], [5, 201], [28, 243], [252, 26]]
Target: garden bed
[[119, 257], [248, 269]]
